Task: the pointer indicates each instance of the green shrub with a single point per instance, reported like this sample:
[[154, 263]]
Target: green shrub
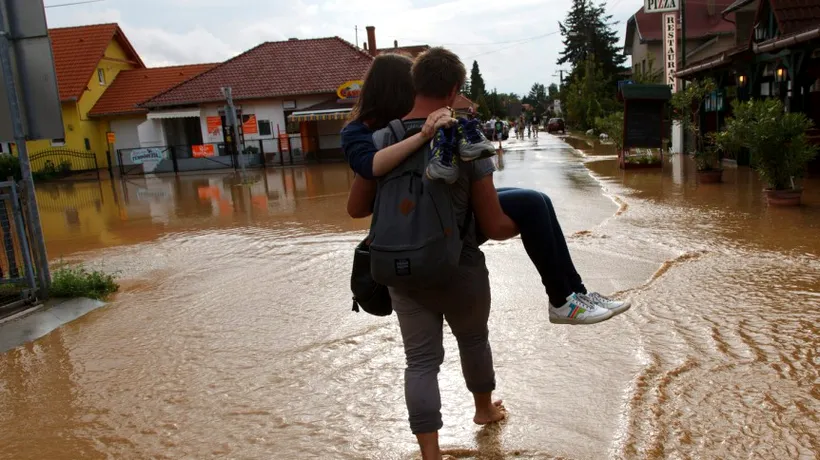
[[9, 167], [77, 281], [613, 126], [776, 139]]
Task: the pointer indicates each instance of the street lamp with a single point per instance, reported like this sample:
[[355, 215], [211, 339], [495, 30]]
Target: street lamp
[[780, 74], [741, 80]]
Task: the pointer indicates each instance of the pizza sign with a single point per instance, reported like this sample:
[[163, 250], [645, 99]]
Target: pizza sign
[[350, 89]]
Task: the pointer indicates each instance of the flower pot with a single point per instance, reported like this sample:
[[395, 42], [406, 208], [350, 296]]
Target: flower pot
[[783, 197], [710, 176]]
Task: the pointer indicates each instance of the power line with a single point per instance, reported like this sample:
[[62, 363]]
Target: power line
[[519, 42], [480, 44], [73, 3]]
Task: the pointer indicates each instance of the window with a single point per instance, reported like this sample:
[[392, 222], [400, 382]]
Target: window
[[87, 144], [264, 128], [58, 142], [101, 76]]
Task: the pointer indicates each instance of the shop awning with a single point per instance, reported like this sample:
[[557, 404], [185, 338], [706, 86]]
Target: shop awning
[[339, 113], [188, 113]]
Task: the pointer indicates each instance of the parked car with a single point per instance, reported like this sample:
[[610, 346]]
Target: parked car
[[555, 125], [488, 130]]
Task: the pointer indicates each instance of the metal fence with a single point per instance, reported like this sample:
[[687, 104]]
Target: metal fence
[[290, 150], [17, 272], [55, 163]]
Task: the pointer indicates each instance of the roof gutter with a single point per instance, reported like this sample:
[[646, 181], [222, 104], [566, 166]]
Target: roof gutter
[[706, 65], [780, 43]]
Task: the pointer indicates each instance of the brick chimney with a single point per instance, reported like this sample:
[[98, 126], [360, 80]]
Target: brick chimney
[[395, 43], [371, 40]]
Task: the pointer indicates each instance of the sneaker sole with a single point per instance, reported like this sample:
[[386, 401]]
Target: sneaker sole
[[575, 321], [617, 311], [477, 152]]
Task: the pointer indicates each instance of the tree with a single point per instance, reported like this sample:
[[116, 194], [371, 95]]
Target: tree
[[537, 97], [587, 97], [477, 88], [588, 32], [484, 108], [552, 92]]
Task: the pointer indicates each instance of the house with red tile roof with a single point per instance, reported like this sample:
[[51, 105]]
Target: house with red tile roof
[[119, 106], [463, 106], [290, 95], [87, 60], [707, 32]]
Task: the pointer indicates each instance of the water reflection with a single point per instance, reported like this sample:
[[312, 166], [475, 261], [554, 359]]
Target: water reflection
[[81, 216]]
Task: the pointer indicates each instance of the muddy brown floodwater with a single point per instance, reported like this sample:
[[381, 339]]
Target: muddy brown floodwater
[[232, 336]]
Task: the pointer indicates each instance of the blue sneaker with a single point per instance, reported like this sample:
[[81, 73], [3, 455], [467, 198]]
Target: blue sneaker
[[443, 164], [472, 145]]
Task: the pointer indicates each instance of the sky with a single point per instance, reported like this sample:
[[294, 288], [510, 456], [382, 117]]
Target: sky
[[516, 42]]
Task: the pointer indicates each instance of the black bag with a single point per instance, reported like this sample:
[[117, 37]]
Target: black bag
[[367, 294]]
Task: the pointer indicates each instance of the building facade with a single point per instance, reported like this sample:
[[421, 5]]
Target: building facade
[[87, 61]]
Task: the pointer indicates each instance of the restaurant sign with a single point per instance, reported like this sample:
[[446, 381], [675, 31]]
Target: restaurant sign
[[660, 6], [670, 46], [140, 156], [350, 90]]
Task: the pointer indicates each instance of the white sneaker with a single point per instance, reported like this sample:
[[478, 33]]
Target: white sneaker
[[579, 310], [615, 306]]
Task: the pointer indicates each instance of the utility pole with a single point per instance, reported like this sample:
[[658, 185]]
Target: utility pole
[[683, 60], [230, 118], [19, 130]]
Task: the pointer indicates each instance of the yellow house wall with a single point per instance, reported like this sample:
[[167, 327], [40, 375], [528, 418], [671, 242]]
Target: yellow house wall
[[76, 123]]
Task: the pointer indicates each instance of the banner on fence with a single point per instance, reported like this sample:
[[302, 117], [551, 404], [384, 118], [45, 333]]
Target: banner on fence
[[140, 156], [203, 151]]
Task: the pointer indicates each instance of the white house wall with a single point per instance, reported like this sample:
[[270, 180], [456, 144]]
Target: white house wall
[[151, 134], [127, 133], [268, 109]]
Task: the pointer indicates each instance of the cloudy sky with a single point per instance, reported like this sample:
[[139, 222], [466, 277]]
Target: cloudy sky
[[514, 41]]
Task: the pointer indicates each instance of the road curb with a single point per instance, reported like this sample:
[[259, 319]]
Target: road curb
[[21, 314]]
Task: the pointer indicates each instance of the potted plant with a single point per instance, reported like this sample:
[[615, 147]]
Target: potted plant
[[685, 108], [777, 142]]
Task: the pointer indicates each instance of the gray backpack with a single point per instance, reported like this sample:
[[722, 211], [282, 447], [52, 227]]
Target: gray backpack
[[415, 238]]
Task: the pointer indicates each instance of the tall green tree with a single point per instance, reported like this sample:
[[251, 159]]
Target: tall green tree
[[588, 97], [588, 31], [537, 97], [552, 92], [484, 108], [477, 88]]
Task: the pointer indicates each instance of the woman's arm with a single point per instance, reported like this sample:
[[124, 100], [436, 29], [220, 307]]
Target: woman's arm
[[361, 197], [366, 161]]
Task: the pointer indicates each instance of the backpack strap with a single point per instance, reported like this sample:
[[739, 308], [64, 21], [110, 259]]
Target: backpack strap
[[397, 128], [468, 219]]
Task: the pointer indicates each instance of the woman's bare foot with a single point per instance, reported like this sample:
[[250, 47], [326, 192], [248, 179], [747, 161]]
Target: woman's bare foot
[[492, 413]]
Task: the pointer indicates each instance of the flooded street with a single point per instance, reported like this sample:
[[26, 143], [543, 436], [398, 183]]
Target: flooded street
[[232, 336]]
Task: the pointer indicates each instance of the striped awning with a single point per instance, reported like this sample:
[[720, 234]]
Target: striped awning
[[320, 115]]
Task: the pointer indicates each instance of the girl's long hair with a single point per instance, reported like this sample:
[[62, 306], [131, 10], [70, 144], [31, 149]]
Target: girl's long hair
[[387, 93]]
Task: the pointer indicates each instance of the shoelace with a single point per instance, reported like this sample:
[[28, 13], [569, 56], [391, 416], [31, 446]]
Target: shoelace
[[596, 297], [447, 145], [586, 301], [472, 132]]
